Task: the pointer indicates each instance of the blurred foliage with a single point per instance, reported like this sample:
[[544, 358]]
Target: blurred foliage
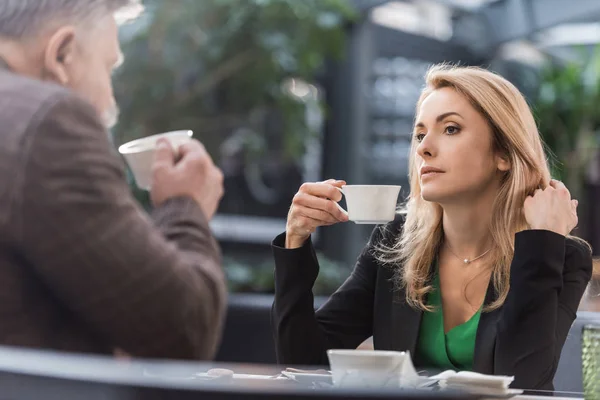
[[220, 66], [243, 277], [213, 66], [568, 114]]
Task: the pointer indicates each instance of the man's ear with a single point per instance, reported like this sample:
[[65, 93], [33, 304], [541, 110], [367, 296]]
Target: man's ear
[[60, 53]]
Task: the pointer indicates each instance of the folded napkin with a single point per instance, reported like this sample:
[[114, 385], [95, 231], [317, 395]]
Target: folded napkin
[[475, 382]]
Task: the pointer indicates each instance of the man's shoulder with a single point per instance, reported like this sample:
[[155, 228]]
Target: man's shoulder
[[24, 100], [27, 102], [22, 92]]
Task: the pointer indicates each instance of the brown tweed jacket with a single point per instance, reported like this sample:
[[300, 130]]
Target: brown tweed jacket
[[82, 267]]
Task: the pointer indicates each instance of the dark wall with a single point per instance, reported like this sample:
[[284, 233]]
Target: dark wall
[[372, 96]]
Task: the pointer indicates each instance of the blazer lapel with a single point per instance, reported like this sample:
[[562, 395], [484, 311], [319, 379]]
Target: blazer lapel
[[485, 341], [406, 322]]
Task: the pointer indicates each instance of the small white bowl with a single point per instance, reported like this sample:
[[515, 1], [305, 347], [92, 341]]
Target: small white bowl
[[370, 368]]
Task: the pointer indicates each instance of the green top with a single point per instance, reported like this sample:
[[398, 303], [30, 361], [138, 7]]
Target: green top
[[453, 350]]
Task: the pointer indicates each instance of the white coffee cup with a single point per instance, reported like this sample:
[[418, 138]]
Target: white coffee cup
[[139, 154], [371, 368], [371, 204]]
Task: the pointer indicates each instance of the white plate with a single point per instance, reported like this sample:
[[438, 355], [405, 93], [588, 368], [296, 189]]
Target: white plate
[[306, 377], [509, 393], [367, 222], [239, 376], [490, 394]]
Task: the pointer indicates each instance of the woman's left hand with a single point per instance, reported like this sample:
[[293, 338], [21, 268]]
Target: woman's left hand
[[551, 209]]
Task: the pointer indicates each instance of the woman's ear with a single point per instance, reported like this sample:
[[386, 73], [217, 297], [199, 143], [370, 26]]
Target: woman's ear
[[502, 162]]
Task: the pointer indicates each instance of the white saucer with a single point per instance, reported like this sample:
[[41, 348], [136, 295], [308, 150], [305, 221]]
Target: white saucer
[[305, 377], [370, 222]]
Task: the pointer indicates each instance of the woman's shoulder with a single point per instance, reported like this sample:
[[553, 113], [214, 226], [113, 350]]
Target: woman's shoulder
[[578, 254], [579, 245], [388, 233]]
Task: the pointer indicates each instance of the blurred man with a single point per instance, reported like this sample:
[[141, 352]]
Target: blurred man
[[82, 268]]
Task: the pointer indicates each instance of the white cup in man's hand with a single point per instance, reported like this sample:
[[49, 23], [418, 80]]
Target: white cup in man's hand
[[139, 154]]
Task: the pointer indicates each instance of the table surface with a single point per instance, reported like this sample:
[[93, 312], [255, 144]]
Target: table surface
[[188, 376], [523, 397]]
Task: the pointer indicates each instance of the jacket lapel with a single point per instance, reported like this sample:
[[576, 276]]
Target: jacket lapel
[[406, 322], [485, 341]]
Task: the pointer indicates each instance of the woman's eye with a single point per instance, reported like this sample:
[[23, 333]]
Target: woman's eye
[[452, 130]]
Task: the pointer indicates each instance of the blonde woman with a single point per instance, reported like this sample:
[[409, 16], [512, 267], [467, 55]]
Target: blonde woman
[[479, 274]]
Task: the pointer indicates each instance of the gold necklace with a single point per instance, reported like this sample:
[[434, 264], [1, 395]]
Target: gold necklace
[[466, 260]]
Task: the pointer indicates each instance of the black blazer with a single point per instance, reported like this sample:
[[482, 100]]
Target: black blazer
[[523, 338]]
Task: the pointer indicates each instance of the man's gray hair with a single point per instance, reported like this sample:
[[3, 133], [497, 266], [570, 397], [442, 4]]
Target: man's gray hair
[[24, 18]]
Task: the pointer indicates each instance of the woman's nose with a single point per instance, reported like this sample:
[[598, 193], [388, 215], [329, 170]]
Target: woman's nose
[[426, 146]]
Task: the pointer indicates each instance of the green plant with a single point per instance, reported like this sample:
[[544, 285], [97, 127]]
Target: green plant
[[220, 66], [214, 65], [259, 278], [568, 114]]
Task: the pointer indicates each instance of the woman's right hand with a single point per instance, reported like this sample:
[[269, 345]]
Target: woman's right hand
[[315, 204]]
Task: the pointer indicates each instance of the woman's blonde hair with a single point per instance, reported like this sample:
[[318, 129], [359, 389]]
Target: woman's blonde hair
[[515, 135]]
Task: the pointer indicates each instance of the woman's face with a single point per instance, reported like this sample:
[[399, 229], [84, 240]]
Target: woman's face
[[455, 156]]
